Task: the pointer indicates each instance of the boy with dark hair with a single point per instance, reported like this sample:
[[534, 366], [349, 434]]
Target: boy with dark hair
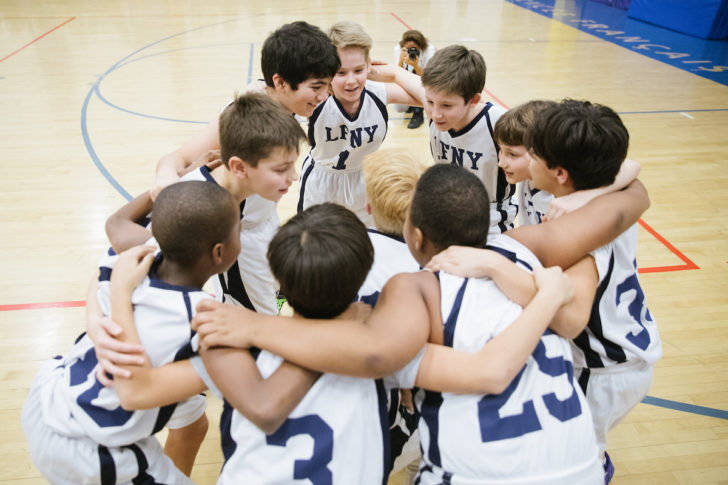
[[320, 257], [81, 432], [535, 205], [298, 62], [616, 346], [579, 145]]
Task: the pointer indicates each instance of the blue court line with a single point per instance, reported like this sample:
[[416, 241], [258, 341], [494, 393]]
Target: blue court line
[[95, 90], [686, 408], [705, 58]]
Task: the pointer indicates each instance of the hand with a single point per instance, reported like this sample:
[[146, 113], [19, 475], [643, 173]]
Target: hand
[[131, 268], [220, 325], [461, 261], [110, 351], [211, 159], [555, 282], [567, 203], [381, 72]]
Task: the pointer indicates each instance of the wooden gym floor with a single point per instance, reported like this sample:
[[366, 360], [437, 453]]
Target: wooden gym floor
[[93, 94]]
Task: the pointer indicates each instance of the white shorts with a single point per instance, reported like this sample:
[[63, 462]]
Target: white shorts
[[612, 393], [67, 460], [347, 188]]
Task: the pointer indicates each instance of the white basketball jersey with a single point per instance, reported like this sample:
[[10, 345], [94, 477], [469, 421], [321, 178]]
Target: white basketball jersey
[[533, 203], [474, 149], [539, 430], [332, 170], [391, 257], [336, 435], [78, 405], [620, 328], [248, 282]]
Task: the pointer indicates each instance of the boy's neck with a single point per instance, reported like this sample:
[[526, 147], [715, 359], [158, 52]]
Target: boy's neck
[[229, 182], [472, 113], [175, 274], [274, 95]]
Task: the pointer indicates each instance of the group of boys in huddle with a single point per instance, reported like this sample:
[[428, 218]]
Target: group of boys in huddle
[[506, 360]]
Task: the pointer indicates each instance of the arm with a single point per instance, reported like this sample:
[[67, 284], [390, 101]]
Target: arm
[[569, 203], [374, 348], [397, 95], [147, 387], [265, 402], [122, 228], [519, 286], [493, 368], [564, 241], [171, 165], [409, 82]]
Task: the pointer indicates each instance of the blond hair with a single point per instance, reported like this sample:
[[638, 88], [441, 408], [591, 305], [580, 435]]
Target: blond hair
[[350, 34], [391, 175]]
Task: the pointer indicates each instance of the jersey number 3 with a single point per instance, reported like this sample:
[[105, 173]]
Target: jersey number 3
[[316, 467]]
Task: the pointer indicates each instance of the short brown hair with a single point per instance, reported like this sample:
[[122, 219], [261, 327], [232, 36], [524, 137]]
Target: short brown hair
[[253, 125], [321, 257], [391, 176], [510, 129], [350, 34], [415, 36], [456, 70]]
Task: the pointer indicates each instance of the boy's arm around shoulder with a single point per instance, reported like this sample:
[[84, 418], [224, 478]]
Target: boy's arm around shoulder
[[392, 335], [122, 228], [491, 370], [174, 163], [147, 387], [266, 402], [410, 86], [564, 241]]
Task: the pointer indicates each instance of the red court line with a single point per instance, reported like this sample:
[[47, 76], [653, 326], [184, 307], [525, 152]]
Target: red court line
[[400, 20], [37, 39], [37, 306], [496, 99], [662, 269]]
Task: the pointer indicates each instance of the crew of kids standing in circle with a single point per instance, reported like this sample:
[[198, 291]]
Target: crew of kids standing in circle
[[474, 318]]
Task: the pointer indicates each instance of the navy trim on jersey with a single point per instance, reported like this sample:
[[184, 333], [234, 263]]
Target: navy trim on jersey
[[312, 121], [448, 329], [584, 379], [104, 273], [107, 467], [111, 251], [510, 255], [472, 123], [226, 438], [302, 189], [205, 172], [613, 350], [382, 109], [396, 237], [384, 423], [430, 413], [343, 111], [236, 284]]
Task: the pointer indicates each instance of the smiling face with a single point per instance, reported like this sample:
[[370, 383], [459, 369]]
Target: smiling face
[[448, 111], [514, 162], [274, 174], [302, 101], [349, 80]]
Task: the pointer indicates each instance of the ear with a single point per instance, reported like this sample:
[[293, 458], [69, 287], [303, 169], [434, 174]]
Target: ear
[[418, 239], [475, 99], [368, 208], [561, 175], [217, 253], [279, 83], [238, 167]]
